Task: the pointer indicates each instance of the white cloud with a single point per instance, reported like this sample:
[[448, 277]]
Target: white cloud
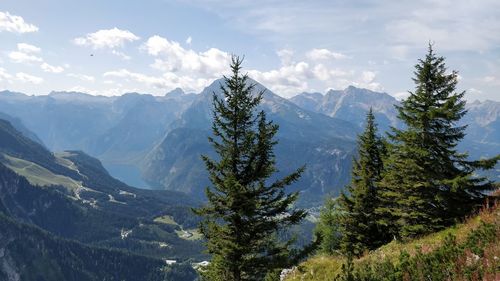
[[4, 75], [286, 56], [367, 80], [412, 23], [167, 81], [296, 77], [106, 38], [28, 54], [27, 48], [324, 54], [454, 25], [179, 65], [120, 54], [399, 52], [401, 95], [83, 77], [368, 76], [172, 57], [474, 91], [156, 82], [51, 68], [103, 92], [321, 72], [324, 73], [12, 23], [492, 80], [488, 79], [189, 40], [27, 78], [157, 44], [287, 80], [25, 53], [20, 57]]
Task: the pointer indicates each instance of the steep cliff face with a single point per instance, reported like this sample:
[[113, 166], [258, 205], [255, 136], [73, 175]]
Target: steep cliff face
[[352, 104]]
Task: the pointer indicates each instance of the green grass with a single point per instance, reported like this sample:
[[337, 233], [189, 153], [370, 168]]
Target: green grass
[[189, 234], [166, 220], [186, 234], [323, 267], [38, 175], [61, 159]]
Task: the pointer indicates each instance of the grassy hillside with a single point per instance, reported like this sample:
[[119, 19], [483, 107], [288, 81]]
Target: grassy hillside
[[38, 175], [467, 251]]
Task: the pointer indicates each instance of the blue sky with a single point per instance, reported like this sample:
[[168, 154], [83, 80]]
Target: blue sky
[[153, 46]]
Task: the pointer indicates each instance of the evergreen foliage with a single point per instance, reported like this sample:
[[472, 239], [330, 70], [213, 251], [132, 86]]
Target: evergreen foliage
[[427, 183], [245, 208], [358, 225], [328, 227]]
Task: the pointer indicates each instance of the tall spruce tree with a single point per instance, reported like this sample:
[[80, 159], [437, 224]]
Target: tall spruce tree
[[358, 225], [427, 183], [245, 210]]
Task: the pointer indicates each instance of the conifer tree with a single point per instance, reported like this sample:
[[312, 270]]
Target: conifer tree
[[328, 227], [358, 221], [427, 183], [245, 209]]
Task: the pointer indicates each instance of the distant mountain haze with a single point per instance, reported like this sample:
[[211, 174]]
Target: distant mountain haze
[[119, 130], [156, 141], [352, 104], [322, 143]]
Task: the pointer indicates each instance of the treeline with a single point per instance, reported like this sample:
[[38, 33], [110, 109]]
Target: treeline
[[414, 181]]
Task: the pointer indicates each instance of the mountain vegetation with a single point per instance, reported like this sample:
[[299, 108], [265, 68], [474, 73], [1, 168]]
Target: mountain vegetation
[[414, 184], [358, 225], [466, 251], [427, 184]]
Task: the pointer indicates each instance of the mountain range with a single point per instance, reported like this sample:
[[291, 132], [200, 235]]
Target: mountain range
[[156, 141], [482, 119], [351, 104], [323, 143]]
